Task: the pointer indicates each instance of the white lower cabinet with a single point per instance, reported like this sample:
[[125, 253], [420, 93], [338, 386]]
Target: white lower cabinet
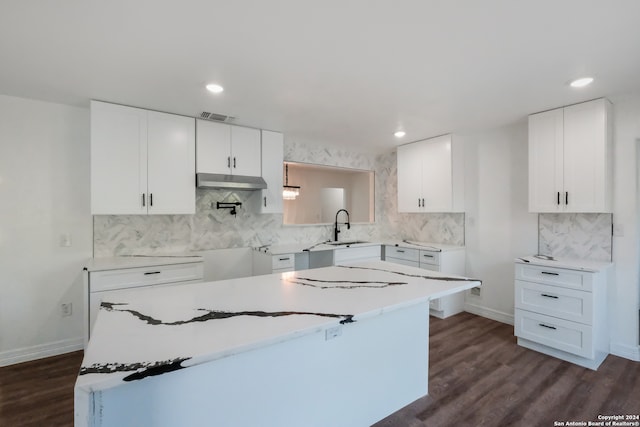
[[562, 312], [107, 283], [356, 254], [265, 263], [450, 260]]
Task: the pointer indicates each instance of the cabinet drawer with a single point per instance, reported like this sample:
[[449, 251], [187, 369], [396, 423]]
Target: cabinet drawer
[[429, 257], [555, 301], [403, 262], [555, 276], [364, 253], [561, 334], [145, 276], [406, 254], [285, 261]]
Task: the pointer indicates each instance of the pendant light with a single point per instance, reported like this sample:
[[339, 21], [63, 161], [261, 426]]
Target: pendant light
[[289, 192]]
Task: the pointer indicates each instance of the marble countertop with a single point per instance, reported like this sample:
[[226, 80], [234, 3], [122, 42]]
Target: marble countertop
[[147, 332], [571, 264], [119, 262], [325, 246]]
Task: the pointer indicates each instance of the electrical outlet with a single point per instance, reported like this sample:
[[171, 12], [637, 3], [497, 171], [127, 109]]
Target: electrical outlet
[[66, 309], [475, 291], [331, 333]]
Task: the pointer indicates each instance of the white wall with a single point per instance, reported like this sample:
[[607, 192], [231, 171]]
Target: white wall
[[624, 296], [498, 225], [44, 194]]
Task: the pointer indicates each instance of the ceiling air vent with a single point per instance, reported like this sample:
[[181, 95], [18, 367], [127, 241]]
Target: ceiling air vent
[[216, 117]]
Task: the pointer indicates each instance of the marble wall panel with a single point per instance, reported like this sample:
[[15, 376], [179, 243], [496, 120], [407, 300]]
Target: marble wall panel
[[576, 235]]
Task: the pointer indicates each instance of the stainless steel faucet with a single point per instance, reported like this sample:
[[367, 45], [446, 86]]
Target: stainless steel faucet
[[336, 229]]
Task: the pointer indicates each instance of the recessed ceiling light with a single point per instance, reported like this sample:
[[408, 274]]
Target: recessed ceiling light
[[215, 88], [399, 134], [582, 82]]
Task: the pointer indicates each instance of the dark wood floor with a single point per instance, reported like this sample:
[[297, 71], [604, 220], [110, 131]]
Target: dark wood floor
[[478, 376]]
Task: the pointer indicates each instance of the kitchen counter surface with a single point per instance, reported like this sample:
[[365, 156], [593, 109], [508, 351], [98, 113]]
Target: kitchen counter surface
[[572, 264], [119, 262], [325, 246], [439, 247], [142, 333]]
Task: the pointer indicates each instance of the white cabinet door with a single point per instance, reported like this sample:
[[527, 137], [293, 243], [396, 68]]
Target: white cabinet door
[[437, 175], [171, 159], [585, 157], [546, 132], [272, 162], [245, 151], [570, 159], [410, 177], [118, 159], [213, 142], [431, 176]]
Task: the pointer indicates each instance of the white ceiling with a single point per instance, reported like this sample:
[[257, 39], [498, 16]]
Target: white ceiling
[[346, 72]]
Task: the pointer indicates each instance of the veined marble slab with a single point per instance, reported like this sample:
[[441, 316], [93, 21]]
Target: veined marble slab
[[143, 333]]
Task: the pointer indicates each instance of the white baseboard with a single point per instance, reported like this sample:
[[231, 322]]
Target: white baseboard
[[489, 313], [40, 351], [627, 351]]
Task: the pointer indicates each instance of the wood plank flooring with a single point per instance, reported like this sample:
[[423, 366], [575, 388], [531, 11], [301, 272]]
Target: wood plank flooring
[[478, 377], [39, 393]]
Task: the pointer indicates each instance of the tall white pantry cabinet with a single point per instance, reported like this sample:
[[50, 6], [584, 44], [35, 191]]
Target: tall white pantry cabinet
[[570, 158], [142, 162]]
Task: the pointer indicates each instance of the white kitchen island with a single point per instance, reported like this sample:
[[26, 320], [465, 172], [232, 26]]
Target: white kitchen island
[[339, 346]]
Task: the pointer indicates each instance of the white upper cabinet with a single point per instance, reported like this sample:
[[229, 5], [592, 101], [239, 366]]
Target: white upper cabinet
[[228, 150], [430, 176], [141, 161], [171, 162], [272, 163], [570, 159]]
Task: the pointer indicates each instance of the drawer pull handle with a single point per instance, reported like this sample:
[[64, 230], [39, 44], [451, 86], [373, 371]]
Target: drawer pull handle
[[549, 296], [284, 259], [151, 272], [427, 256], [399, 251], [550, 274], [547, 326]]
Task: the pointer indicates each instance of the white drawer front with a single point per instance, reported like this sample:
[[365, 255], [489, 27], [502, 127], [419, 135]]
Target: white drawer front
[[555, 276], [407, 254], [555, 301], [285, 261], [365, 253], [561, 334], [429, 257], [145, 276], [404, 262]]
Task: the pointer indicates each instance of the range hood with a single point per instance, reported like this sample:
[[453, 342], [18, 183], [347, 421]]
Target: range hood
[[230, 182]]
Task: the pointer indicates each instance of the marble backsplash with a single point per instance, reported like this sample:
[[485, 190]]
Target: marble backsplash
[[210, 228], [576, 235]]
